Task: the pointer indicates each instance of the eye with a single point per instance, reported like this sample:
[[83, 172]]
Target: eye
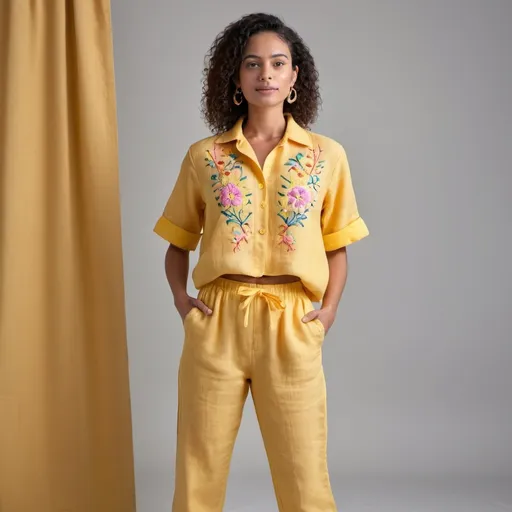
[[279, 63], [251, 64]]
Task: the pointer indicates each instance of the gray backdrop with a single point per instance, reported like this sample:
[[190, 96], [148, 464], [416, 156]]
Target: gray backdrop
[[418, 362]]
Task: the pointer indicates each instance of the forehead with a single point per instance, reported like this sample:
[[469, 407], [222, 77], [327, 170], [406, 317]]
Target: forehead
[[265, 44]]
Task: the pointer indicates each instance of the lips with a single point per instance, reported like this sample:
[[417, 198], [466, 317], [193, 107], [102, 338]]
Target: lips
[[267, 89]]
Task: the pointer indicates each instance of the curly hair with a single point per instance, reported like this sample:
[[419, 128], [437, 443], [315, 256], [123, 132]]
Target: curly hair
[[222, 64]]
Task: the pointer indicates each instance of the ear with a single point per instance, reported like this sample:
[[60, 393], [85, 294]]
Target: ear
[[294, 75]]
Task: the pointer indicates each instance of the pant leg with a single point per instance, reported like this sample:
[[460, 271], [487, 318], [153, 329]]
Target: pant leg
[[289, 394], [212, 389]]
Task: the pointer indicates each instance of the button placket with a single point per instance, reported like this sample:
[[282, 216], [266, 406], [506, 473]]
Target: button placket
[[263, 212], [262, 221], [267, 173]]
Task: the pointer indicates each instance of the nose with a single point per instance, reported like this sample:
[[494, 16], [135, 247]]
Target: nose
[[265, 74]]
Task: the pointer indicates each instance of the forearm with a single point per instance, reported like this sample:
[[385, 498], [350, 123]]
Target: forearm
[[176, 271], [337, 278]]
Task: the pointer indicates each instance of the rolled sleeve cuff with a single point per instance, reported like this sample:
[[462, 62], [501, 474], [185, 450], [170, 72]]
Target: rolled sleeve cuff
[[175, 235], [355, 231]]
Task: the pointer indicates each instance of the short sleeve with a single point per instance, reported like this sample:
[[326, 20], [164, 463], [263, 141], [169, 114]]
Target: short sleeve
[[341, 222], [181, 222]]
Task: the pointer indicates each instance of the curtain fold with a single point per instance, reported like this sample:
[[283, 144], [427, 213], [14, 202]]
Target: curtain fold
[[65, 422]]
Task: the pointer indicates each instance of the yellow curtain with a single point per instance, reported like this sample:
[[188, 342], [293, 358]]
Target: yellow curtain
[[65, 424]]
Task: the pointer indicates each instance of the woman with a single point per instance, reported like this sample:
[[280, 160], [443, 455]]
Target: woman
[[275, 208]]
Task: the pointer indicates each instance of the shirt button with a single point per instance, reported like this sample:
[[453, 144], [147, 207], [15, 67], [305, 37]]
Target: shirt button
[[263, 204], [262, 231], [260, 185]]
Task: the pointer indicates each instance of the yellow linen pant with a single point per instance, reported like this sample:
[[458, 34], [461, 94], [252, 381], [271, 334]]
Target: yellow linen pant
[[254, 339]]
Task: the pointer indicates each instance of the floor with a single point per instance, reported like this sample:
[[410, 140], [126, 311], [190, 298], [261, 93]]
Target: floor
[[397, 494]]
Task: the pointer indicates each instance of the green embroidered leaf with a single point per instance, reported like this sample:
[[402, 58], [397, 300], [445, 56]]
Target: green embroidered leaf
[[249, 194], [213, 177], [299, 156], [281, 194], [243, 178], [225, 213], [285, 179]]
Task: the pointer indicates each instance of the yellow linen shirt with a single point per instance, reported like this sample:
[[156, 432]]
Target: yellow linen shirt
[[276, 220]]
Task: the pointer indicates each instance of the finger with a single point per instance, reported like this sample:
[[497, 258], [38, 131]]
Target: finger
[[203, 307], [310, 316]]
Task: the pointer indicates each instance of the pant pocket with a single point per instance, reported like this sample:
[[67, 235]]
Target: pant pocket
[[320, 326], [315, 326], [190, 314]]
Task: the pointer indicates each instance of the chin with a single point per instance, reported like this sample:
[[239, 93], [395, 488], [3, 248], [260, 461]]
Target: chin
[[266, 102]]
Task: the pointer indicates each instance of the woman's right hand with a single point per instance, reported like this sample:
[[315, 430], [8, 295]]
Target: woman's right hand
[[186, 303]]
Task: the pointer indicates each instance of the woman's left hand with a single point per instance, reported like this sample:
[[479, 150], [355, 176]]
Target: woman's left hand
[[326, 315]]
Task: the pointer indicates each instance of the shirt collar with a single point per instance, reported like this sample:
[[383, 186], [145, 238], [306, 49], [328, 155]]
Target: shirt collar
[[293, 132]]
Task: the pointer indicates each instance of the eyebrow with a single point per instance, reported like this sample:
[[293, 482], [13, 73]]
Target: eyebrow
[[258, 57]]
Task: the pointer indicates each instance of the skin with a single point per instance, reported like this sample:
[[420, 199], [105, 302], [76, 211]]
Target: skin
[[266, 76]]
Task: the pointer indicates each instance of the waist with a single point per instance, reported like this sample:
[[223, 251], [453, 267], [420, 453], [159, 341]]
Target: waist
[[275, 294], [242, 278]]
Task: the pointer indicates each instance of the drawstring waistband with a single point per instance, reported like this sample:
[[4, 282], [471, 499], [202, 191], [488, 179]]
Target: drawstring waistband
[[276, 295], [274, 301]]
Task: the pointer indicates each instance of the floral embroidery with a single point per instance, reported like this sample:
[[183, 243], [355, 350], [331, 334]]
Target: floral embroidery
[[299, 197], [299, 193], [231, 193]]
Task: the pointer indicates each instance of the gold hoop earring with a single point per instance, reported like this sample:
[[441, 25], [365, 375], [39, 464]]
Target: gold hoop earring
[[291, 99], [237, 101]]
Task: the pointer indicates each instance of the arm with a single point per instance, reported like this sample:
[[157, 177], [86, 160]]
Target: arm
[[337, 279], [176, 271]]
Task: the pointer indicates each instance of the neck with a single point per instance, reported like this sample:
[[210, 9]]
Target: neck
[[265, 124]]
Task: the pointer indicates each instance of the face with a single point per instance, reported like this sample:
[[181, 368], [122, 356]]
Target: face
[[266, 74]]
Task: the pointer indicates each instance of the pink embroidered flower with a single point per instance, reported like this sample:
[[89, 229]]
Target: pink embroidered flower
[[230, 195], [299, 197]]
